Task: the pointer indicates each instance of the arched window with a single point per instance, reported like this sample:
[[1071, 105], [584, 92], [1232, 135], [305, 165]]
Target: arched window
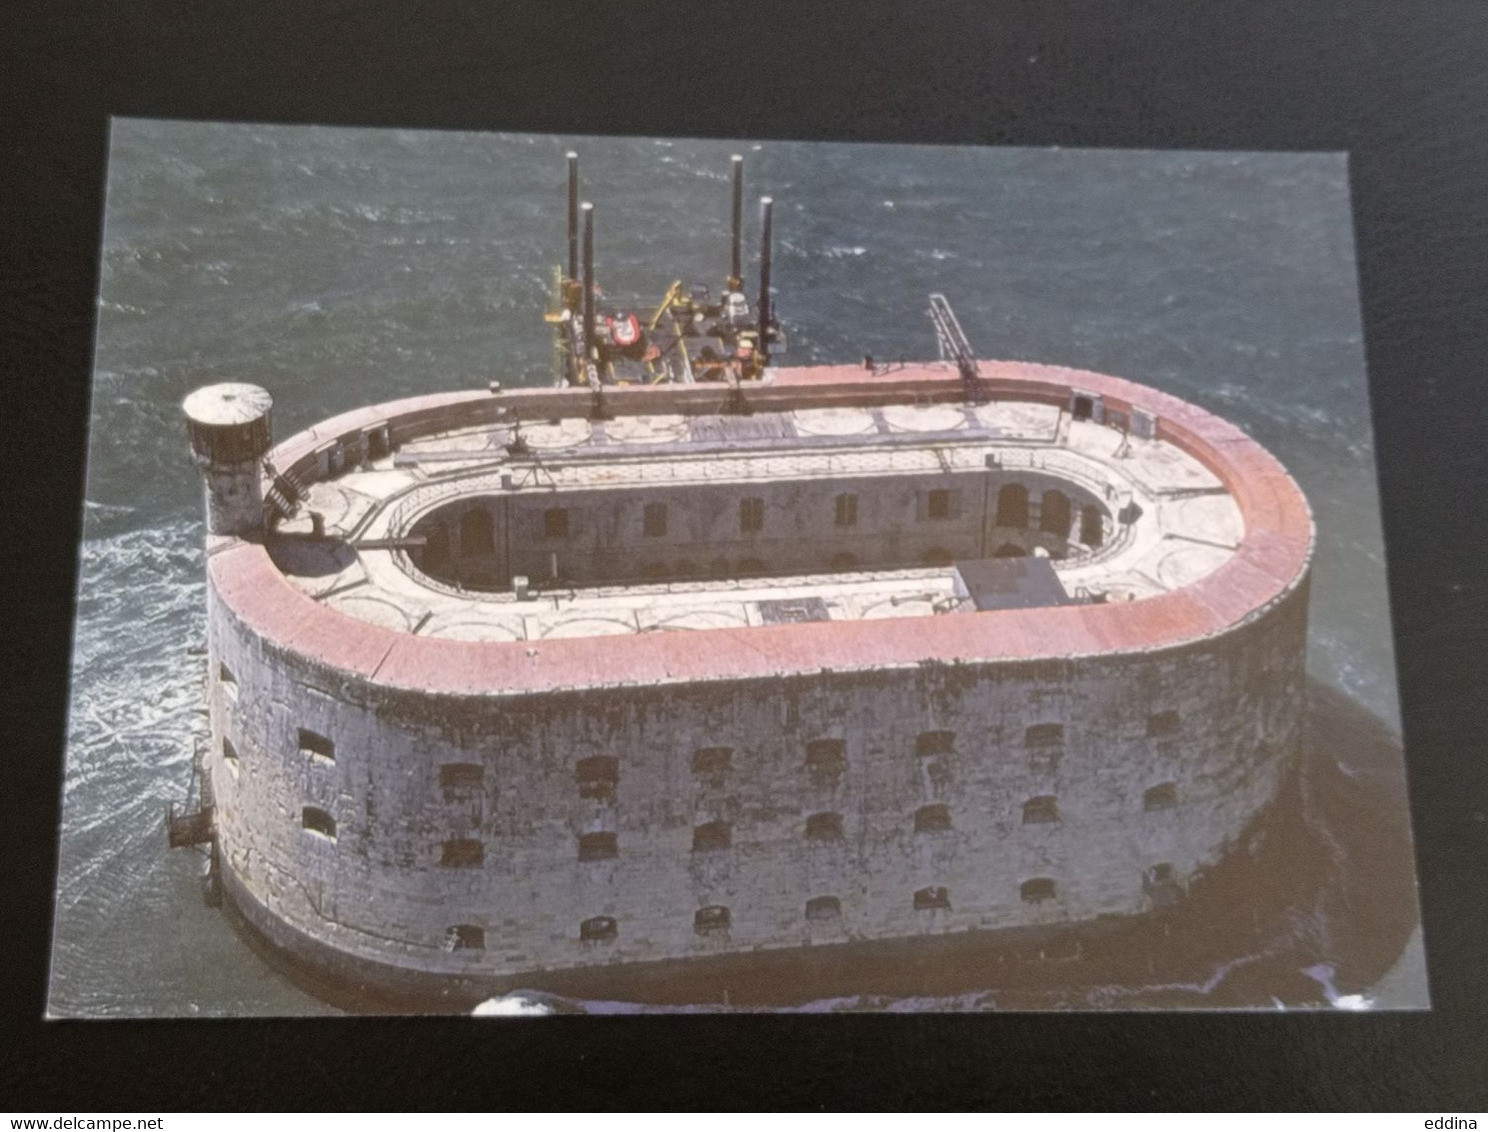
[[1091, 533], [598, 846], [752, 568], [1010, 550], [1163, 796], [826, 758], [476, 533], [931, 743], [711, 920], [932, 899], [934, 818], [654, 571], [1054, 514], [465, 937], [1012, 506], [712, 836], [1040, 810], [843, 562], [598, 929], [822, 908], [318, 821], [937, 556], [1037, 890], [597, 776], [462, 853], [824, 827]]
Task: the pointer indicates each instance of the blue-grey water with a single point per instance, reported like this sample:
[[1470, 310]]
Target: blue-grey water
[[340, 267]]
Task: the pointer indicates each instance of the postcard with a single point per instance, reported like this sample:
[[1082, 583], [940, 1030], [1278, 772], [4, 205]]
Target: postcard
[[535, 574]]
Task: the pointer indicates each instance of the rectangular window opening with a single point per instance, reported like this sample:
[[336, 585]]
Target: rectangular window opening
[[712, 762], [938, 504], [465, 937], [555, 522], [932, 899], [751, 515], [597, 776], [318, 821], [847, 511], [932, 743], [712, 836], [935, 818], [1041, 810], [654, 523], [599, 929], [712, 920], [1163, 796], [826, 758], [316, 745], [598, 846], [1044, 735], [460, 781], [462, 853]]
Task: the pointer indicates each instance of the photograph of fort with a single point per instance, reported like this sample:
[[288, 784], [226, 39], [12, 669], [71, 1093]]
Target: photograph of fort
[[617, 574]]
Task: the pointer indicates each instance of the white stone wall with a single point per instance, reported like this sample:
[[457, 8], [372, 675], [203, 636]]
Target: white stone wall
[[379, 890]]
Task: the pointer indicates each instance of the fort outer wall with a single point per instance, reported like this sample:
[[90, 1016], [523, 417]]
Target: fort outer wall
[[1195, 694]]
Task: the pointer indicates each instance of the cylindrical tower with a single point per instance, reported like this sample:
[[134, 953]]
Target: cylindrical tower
[[230, 434]]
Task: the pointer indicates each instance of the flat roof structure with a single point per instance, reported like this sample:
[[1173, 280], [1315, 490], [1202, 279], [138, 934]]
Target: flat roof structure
[[1206, 528]]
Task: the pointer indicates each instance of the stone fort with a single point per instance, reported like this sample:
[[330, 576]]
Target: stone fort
[[505, 692]]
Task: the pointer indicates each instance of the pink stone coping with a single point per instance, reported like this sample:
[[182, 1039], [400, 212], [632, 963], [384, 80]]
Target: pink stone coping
[[1273, 557]]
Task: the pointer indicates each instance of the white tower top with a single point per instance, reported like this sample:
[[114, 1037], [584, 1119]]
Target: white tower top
[[230, 403]]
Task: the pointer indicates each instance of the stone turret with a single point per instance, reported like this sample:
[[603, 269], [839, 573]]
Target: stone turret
[[230, 435]]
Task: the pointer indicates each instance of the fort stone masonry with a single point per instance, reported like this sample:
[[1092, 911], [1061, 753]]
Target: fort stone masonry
[[518, 694], [696, 662]]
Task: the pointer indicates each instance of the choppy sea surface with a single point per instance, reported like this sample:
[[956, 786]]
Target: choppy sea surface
[[341, 267]]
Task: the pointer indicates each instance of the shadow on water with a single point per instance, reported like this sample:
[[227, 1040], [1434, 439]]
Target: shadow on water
[[1315, 903]]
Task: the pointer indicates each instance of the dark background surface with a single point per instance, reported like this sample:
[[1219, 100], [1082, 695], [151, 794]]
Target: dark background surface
[[1403, 88]]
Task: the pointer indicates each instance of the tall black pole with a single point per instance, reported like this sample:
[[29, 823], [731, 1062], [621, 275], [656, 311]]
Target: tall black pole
[[736, 277], [573, 215], [588, 280], [764, 279]]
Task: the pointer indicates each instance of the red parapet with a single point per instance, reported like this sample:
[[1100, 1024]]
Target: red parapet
[[1271, 560]]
